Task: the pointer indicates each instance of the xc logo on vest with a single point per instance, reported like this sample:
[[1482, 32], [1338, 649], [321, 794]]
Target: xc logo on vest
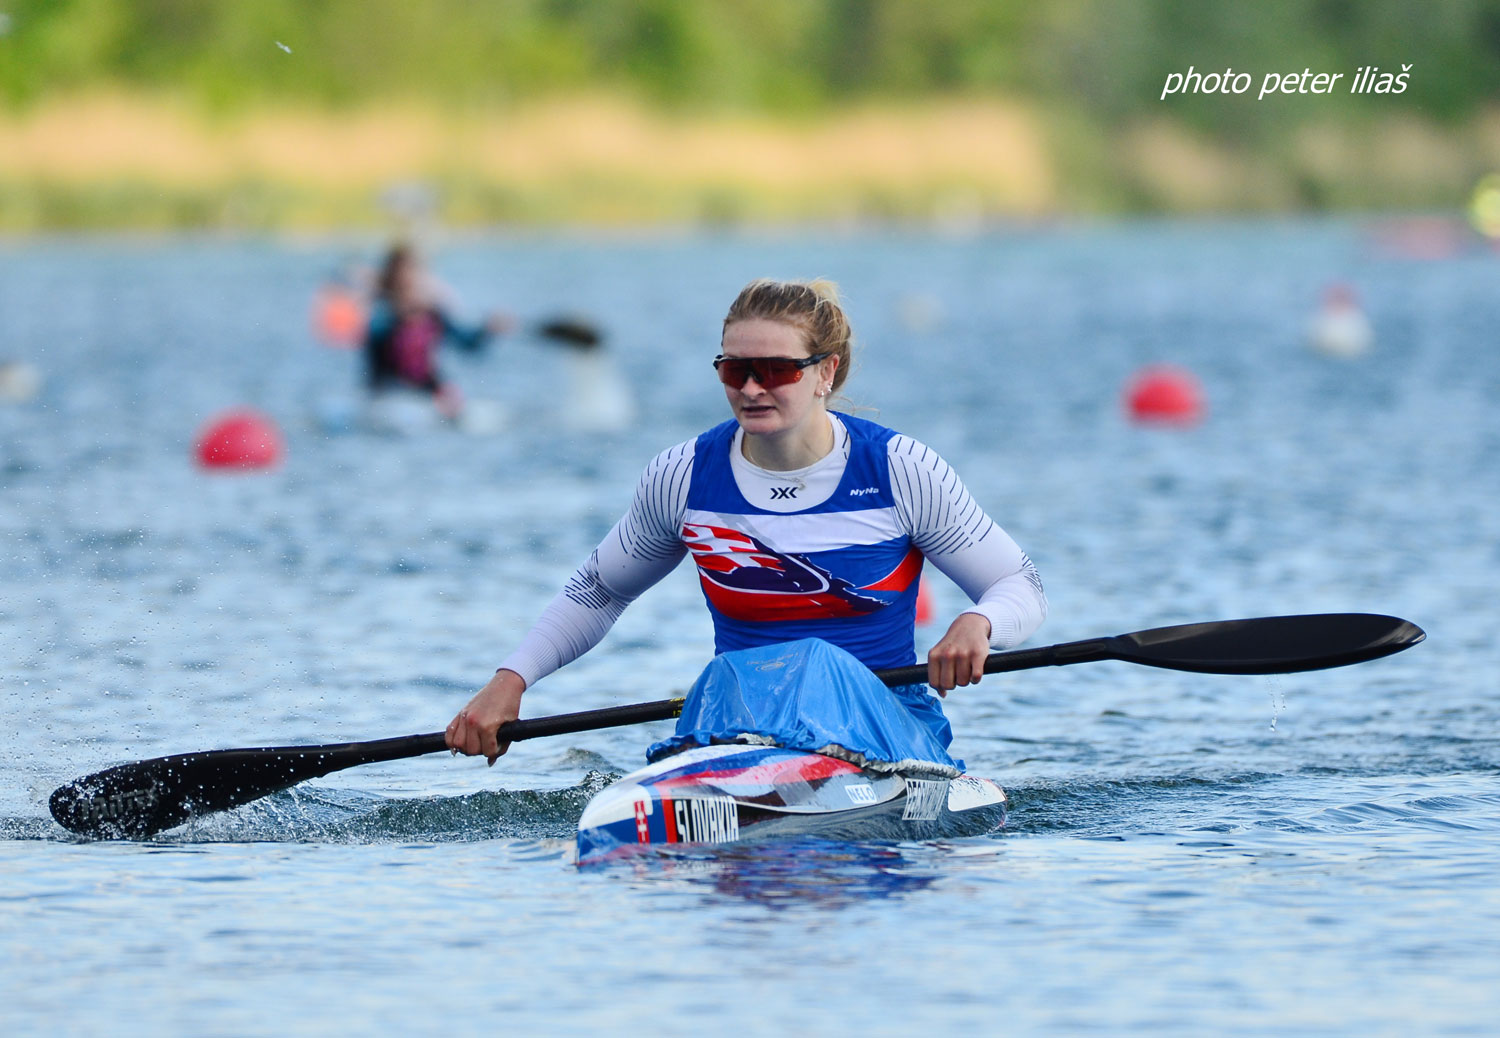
[[783, 493]]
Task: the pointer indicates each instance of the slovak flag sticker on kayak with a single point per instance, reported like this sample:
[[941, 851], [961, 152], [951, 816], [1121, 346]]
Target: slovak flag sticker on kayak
[[746, 580]]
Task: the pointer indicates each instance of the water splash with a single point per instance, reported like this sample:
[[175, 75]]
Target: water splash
[[319, 814]]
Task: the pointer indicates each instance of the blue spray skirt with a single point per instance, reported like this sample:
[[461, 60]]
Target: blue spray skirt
[[812, 696]]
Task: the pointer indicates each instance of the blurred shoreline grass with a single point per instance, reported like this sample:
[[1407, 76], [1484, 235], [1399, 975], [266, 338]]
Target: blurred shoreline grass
[[106, 160]]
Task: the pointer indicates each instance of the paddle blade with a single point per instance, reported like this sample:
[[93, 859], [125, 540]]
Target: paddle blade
[[1259, 645], [1268, 644], [575, 331], [137, 801]]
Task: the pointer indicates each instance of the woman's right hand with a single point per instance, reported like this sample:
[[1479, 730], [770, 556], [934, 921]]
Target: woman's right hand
[[472, 732]]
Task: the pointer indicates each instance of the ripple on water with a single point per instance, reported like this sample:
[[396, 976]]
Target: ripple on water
[[1172, 865]]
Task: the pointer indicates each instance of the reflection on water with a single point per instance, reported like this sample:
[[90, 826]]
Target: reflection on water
[[781, 874]]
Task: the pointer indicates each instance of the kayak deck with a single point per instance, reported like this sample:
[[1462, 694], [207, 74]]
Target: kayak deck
[[722, 794]]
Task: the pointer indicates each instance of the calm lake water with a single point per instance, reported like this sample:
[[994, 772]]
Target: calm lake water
[[1309, 854]]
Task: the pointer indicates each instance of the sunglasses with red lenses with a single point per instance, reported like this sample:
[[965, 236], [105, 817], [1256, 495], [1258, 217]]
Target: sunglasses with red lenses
[[770, 372]]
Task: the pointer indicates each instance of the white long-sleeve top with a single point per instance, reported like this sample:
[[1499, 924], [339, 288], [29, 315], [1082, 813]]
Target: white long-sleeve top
[[944, 522]]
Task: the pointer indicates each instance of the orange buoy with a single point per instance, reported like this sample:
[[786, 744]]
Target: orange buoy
[[339, 317], [925, 608], [239, 439], [1166, 395]]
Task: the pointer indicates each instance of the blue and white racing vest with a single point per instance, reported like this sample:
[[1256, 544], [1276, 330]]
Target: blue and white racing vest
[[844, 570]]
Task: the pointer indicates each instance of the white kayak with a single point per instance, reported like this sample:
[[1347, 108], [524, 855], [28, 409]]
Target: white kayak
[[404, 414], [721, 794]]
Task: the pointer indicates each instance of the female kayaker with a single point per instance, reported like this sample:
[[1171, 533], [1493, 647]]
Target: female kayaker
[[406, 328], [803, 522]]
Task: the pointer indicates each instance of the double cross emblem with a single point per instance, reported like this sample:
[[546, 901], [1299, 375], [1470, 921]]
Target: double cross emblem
[[784, 493]]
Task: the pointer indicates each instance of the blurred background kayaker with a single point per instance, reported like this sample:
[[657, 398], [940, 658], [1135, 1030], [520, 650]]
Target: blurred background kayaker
[[408, 323], [803, 522]]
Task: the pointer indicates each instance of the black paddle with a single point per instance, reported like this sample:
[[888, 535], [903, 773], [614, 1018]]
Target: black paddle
[[571, 330], [136, 801]]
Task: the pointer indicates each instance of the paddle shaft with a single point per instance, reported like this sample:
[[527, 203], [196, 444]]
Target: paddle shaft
[[666, 709], [1260, 645], [347, 755], [1016, 659], [144, 798]]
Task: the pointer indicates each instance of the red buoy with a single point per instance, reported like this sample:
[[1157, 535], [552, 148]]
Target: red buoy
[[239, 439], [924, 602], [1166, 395]]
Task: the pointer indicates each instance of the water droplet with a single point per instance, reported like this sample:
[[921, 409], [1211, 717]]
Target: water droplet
[[1278, 699]]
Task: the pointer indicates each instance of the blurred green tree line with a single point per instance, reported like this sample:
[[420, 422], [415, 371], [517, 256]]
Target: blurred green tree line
[[1104, 59]]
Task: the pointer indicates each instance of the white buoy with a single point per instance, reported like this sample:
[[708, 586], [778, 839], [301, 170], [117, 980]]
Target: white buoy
[[19, 381], [1340, 327], [919, 312]]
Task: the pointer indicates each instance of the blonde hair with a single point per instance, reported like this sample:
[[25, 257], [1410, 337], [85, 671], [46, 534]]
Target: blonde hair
[[811, 306]]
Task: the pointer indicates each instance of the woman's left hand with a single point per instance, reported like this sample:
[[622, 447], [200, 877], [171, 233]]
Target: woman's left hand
[[959, 658]]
